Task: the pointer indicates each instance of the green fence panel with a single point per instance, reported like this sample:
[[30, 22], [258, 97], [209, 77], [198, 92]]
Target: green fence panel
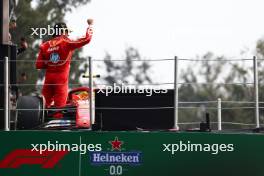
[[130, 153]]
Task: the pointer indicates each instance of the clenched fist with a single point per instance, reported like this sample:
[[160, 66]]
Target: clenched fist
[[90, 21]]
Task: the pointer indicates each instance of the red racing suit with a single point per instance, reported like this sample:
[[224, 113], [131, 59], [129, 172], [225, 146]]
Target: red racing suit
[[55, 56]]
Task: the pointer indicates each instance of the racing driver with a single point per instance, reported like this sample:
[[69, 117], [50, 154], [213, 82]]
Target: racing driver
[[55, 56]]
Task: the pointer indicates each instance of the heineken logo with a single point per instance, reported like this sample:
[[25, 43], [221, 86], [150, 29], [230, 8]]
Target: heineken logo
[[131, 158], [116, 159]]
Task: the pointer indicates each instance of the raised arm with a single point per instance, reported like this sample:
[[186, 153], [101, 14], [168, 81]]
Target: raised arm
[[74, 44]]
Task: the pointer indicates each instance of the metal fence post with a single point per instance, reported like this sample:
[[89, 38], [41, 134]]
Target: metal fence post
[[6, 83], [176, 94], [219, 114], [91, 109], [256, 90]]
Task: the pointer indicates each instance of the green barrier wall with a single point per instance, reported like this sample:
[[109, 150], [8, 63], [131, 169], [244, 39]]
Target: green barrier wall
[[247, 159]]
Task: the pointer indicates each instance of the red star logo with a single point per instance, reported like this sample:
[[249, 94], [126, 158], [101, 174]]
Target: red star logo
[[116, 144]]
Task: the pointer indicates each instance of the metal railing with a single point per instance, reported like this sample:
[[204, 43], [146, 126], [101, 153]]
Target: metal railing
[[6, 92], [176, 84], [256, 88]]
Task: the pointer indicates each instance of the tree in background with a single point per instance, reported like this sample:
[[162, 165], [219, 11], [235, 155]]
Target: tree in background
[[200, 86], [260, 55], [37, 14], [132, 70], [218, 72], [193, 90]]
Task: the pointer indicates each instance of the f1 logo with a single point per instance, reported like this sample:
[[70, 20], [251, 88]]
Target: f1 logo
[[47, 160]]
